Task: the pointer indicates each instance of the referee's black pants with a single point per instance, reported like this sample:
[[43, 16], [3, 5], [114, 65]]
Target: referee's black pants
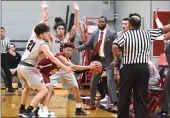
[[136, 77], [5, 67]]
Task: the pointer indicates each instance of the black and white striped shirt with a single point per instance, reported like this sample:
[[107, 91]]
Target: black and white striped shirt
[[136, 44], [5, 43]]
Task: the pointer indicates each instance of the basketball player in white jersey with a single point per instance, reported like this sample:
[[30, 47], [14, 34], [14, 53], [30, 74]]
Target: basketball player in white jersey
[[29, 75], [59, 28], [57, 42]]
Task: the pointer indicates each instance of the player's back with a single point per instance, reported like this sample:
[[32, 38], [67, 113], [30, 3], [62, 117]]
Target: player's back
[[31, 54]]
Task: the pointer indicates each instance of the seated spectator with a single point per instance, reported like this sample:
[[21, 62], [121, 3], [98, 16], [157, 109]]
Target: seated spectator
[[5, 42], [154, 74], [13, 60], [3, 76]]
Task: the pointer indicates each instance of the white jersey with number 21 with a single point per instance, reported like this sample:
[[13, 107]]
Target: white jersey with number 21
[[31, 54]]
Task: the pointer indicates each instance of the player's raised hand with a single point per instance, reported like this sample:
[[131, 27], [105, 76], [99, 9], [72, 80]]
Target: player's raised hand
[[45, 16], [44, 4], [75, 6], [156, 13]]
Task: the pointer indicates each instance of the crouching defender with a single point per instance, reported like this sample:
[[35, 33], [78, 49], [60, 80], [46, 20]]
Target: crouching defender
[[51, 74]]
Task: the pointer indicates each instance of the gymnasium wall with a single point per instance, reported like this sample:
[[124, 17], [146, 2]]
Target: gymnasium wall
[[19, 17]]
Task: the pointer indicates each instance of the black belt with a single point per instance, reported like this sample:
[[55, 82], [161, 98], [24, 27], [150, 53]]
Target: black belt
[[26, 64]]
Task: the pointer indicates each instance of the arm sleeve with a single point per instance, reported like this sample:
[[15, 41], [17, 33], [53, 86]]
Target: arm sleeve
[[86, 45], [119, 41], [158, 22], [154, 33]]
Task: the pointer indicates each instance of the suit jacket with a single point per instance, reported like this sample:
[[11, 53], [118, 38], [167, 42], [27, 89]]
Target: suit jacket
[[108, 40]]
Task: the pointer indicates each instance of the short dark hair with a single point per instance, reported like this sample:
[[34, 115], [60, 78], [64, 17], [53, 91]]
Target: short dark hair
[[12, 44], [103, 17], [58, 24], [69, 44], [134, 14], [41, 28], [134, 21], [59, 21], [125, 19], [3, 28]]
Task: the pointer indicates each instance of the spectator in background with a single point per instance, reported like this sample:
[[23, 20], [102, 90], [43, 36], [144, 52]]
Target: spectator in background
[[154, 74], [13, 60], [4, 42], [101, 44], [125, 26], [166, 37]]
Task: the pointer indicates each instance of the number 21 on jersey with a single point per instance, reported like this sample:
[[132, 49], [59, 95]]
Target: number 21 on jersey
[[31, 45]]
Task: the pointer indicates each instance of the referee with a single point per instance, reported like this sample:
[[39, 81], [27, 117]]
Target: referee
[[135, 71], [5, 43]]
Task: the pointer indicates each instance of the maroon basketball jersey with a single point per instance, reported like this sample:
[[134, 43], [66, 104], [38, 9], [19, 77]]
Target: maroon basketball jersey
[[49, 68]]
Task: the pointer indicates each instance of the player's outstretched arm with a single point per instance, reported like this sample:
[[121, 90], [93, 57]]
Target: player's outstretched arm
[[76, 20], [158, 22], [46, 50], [45, 13], [79, 67], [165, 29], [76, 67], [45, 17]]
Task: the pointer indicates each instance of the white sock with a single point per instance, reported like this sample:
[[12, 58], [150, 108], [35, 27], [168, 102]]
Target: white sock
[[45, 109], [78, 105], [40, 105]]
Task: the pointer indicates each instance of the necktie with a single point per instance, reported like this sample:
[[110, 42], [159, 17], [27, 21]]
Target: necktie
[[96, 50]]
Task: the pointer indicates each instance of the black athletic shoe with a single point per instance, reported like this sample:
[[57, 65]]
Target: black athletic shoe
[[28, 115], [79, 111], [21, 112], [11, 90], [35, 114], [163, 113]]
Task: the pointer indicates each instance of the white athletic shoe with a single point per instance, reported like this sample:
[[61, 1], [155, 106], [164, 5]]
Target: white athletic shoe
[[105, 99], [43, 114], [51, 113], [40, 110]]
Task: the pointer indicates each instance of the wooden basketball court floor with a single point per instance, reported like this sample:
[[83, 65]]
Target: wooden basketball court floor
[[62, 103]]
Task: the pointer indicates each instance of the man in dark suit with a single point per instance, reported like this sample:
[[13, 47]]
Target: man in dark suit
[[101, 44]]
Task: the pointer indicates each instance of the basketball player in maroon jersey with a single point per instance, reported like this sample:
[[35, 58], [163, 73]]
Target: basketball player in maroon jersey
[[49, 70]]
